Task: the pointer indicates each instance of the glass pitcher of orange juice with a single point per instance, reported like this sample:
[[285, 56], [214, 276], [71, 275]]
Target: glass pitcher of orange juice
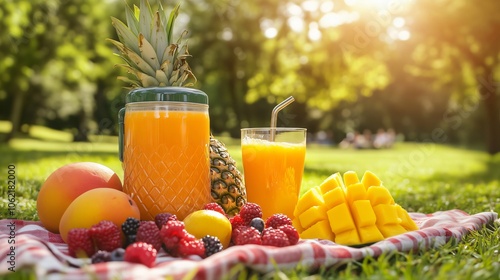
[[164, 147]]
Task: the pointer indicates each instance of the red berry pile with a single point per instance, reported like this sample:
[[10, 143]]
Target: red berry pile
[[249, 228], [140, 241]]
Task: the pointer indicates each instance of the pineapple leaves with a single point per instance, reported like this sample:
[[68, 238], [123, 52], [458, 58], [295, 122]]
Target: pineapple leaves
[[148, 53], [147, 48], [170, 25], [161, 77], [158, 36], [125, 35], [145, 19], [132, 20]]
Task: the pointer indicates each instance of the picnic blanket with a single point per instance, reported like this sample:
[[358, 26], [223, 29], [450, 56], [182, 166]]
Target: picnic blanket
[[47, 254]]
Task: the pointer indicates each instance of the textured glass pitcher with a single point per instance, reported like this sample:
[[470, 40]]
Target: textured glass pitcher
[[164, 139]]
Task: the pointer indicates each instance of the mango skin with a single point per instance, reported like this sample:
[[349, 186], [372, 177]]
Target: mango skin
[[68, 182], [97, 205]]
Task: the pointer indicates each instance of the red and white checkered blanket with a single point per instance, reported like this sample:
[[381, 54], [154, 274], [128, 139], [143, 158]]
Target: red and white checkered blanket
[[47, 254]]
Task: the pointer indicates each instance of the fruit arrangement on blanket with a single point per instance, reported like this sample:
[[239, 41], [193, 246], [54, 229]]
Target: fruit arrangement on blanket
[[202, 233]]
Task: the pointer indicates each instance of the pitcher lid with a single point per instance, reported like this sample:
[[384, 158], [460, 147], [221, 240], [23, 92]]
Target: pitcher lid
[[178, 94]]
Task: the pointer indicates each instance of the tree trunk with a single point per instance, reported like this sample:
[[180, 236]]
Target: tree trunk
[[488, 92], [16, 115], [82, 134]]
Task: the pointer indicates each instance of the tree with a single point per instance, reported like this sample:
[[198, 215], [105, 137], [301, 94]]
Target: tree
[[54, 56], [467, 32]]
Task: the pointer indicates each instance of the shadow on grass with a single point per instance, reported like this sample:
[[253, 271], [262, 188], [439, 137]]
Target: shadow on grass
[[12, 156]]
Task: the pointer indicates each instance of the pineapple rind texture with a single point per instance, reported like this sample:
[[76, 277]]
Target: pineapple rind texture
[[357, 211], [227, 185]]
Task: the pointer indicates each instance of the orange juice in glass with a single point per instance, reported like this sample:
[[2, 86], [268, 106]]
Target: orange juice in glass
[[273, 164], [164, 146]]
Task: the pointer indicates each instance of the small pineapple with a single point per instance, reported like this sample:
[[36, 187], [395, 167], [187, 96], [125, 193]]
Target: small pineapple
[[152, 60], [228, 188]]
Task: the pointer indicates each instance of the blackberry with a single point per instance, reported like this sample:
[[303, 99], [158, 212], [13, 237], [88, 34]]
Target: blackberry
[[212, 245], [101, 256], [129, 239], [130, 226], [117, 255], [257, 223]]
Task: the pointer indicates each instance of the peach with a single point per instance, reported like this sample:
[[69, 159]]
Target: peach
[[97, 205], [67, 183]]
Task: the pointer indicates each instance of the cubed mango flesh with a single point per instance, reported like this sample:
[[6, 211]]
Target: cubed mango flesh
[[369, 179], [319, 230], [350, 212], [350, 178], [329, 184]]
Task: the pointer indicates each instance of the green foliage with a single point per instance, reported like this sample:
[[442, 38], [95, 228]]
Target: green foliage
[[346, 64]]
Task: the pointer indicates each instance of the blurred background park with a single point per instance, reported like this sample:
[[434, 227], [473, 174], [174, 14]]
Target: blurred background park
[[426, 69]]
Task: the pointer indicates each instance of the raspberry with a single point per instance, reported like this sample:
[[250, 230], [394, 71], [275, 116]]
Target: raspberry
[[274, 237], [250, 211], [247, 235], [257, 223], [277, 220], [80, 243], [236, 221], [171, 233], [141, 252], [291, 233], [212, 245], [163, 218], [107, 236], [130, 226], [101, 256], [189, 247], [215, 207], [148, 232], [117, 255]]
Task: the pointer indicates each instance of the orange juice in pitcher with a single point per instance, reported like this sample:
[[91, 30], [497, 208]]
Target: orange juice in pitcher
[[164, 146]]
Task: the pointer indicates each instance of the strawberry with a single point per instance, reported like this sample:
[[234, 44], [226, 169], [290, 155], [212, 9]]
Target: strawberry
[[141, 252], [106, 235], [80, 243], [277, 220], [148, 232], [274, 237], [250, 211]]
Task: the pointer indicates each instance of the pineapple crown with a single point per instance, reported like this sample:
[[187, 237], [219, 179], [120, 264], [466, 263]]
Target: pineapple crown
[[145, 44]]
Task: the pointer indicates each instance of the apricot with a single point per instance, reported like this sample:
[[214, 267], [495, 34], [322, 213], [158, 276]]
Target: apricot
[[96, 205], [67, 183]]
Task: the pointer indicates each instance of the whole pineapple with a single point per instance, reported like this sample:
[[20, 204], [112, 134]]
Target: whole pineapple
[[152, 59]]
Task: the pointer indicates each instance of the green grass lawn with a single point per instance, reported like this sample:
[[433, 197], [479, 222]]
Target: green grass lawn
[[421, 177]]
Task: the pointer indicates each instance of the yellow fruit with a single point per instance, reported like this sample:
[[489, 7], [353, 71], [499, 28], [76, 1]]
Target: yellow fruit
[[96, 205], [207, 222], [350, 211]]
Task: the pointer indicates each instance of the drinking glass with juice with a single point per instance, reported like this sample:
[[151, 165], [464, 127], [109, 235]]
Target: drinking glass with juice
[[165, 152], [273, 163]]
